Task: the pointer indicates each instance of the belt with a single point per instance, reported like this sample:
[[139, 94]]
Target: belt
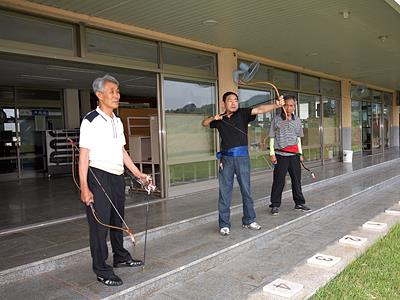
[[235, 152]]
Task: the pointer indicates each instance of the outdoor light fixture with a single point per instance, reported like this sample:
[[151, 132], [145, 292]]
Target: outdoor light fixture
[[210, 22], [345, 14], [383, 38]]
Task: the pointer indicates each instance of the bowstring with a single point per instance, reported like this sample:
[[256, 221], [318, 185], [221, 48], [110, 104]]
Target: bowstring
[[126, 229]]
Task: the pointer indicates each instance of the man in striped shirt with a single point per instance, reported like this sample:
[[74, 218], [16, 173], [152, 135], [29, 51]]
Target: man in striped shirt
[[286, 153]]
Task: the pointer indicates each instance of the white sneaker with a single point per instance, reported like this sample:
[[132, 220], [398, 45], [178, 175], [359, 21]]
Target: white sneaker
[[252, 226], [224, 231]]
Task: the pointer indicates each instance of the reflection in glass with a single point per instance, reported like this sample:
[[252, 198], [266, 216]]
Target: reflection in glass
[[190, 147]]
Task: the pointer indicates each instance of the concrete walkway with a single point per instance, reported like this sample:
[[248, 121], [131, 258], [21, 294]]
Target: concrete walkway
[[191, 243], [25, 246], [285, 255]]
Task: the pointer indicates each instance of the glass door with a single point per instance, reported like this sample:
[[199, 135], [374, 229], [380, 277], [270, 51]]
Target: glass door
[[9, 151], [386, 126], [309, 111], [356, 126], [330, 126], [366, 128], [25, 115], [36, 111], [371, 128], [376, 128]]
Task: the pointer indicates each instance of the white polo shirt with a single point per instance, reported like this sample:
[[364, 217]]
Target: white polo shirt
[[104, 137]]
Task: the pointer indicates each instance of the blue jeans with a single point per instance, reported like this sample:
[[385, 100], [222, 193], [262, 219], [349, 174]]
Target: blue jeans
[[241, 167]]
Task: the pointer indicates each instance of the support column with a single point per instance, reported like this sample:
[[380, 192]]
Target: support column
[[85, 102], [227, 64], [394, 120], [346, 114], [71, 108]]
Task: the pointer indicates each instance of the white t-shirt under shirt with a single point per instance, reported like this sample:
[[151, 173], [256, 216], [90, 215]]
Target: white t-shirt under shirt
[[105, 139]]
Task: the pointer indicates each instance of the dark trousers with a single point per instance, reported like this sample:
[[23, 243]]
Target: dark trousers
[[114, 185], [285, 164]]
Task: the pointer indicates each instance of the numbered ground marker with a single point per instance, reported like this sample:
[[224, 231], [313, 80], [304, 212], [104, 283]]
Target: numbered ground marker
[[283, 288], [392, 212], [323, 260], [376, 226], [351, 240]]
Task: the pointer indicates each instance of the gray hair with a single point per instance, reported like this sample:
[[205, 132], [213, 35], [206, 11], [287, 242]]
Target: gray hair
[[98, 83]]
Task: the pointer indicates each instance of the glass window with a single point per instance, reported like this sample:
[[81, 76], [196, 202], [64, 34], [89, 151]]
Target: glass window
[[184, 60], [309, 83], [285, 79], [29, 31], [376, 96], [398, 98], [331, 125], [387, 99], [258, 133], [309, 113], [330, 87], [386, 126], [125, 48], [356, 126], [191, 147]]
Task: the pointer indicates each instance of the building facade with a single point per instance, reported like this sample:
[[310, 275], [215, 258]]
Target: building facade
[[49, 58]]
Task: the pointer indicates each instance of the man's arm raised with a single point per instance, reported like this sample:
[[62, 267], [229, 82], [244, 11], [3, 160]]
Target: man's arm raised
[[261, 109], [208, 120]]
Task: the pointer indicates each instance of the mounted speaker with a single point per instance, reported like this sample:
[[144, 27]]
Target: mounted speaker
[[245, 73]]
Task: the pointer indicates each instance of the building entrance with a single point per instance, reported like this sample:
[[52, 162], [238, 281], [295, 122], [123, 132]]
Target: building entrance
[[28, 113]]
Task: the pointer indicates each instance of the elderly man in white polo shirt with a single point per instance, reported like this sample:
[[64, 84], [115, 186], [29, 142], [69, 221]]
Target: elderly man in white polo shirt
[[102, 150]]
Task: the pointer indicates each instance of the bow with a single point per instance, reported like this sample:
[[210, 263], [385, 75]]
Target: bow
[[267, 83], [149, 187], [278, 95]]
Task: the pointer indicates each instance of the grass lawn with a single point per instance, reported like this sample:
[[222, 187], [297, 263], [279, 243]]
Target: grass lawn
[[374, 275]]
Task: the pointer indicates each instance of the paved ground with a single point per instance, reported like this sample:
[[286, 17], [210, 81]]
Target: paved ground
[[268, 260], [21, 200], [182, 251]]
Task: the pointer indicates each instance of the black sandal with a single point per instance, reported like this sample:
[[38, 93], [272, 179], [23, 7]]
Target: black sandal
[[113, 281]]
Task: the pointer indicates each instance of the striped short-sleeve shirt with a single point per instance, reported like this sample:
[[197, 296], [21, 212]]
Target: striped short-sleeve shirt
[[285, 132]]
